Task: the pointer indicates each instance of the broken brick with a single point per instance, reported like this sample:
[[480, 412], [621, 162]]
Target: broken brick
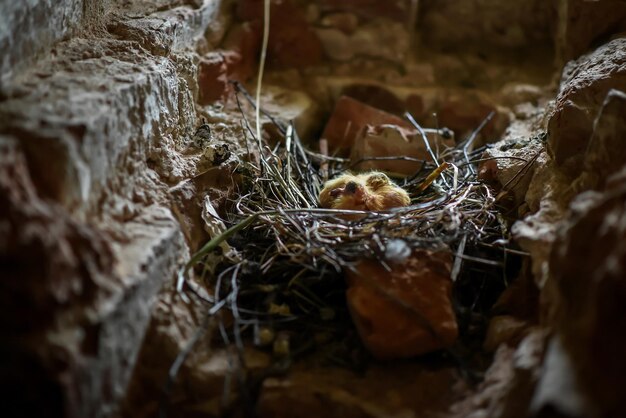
[[348, 120], [214, 71], [406, 311], [292, 43]]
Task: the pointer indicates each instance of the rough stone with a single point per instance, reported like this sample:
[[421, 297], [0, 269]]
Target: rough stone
[[606, 153], [581, 24], [406, 311], [558, 389], [90, 137], [30, 28], [511, 163], [509, 383], [587, 263], [85, 306], [88, 207], [584, 87], [504, 329], [168, 25]]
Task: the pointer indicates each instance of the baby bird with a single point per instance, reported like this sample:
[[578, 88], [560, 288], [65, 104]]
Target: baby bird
[[368, 191]]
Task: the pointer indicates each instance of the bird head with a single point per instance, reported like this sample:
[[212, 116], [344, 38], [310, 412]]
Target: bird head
[[369, 191]]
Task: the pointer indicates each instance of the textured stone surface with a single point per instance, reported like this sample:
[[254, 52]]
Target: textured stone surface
[[509, 383], [583, 24], [584, 87], [606, 153], [29, 28], [80, 131], [558, 388], [588, 264], [100, 180], [406, 311], [85, 301]]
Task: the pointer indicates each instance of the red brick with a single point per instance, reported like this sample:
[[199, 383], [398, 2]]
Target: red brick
[[406, 311], [292, 43], [395, 9], [214, 72], [348, 120]]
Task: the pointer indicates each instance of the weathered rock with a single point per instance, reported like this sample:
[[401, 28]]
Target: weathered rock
[[581, 24], [509, 383], [511, 163], [28, 29], [163, 26], [406, 311], [504, 329], [587, 264], [585, 85], [88, 208], [606, 153], [558, 390], [84, 304]]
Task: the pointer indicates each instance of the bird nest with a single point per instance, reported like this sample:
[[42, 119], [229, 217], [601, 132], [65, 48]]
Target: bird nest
[[280, 285]]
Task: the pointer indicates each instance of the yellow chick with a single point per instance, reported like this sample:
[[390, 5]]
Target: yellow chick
[[372, 191]]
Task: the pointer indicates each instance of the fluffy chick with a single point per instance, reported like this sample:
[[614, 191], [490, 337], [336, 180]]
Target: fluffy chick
[[369, 191]]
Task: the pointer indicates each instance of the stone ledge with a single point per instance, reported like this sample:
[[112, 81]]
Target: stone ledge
[[85, 122]]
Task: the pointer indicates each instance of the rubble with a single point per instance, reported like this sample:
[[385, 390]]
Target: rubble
[[406, 311], [105, 189]]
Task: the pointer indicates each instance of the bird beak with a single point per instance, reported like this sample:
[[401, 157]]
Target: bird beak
[[351, 187]]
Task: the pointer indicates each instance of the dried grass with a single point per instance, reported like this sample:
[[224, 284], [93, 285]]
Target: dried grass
[[284, 287]]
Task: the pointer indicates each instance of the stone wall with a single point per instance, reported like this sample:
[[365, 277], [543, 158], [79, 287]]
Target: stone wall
[[102, 191], [91, 94]]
